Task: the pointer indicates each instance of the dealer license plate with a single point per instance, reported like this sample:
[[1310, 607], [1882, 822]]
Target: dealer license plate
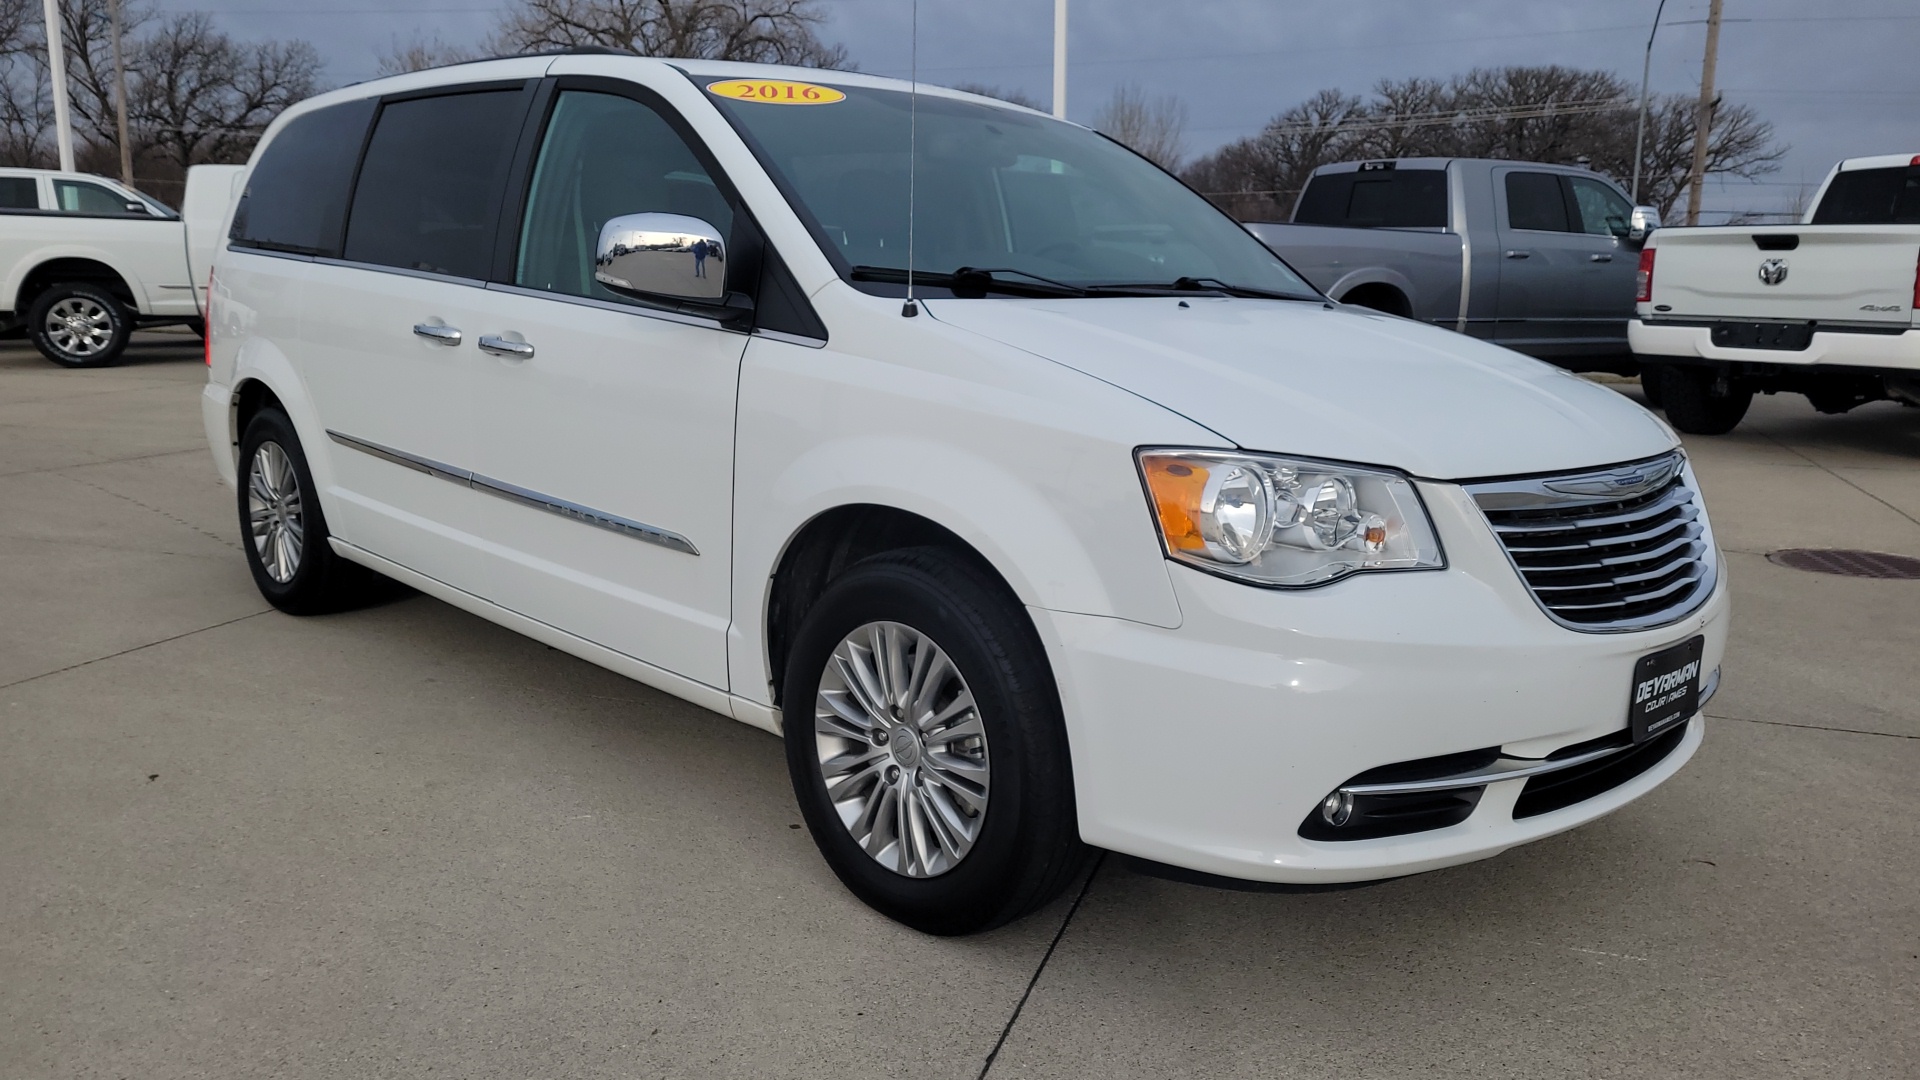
[[1666, 689]]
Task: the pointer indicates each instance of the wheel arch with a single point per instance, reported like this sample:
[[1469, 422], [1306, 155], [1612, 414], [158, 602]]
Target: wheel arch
[[832, 542], [49, 270], [1381, 290]]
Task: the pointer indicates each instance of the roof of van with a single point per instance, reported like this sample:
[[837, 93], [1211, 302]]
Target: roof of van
[[1441, 163]]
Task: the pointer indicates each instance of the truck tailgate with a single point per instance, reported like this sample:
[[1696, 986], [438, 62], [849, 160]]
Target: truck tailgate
[[1825, 273]]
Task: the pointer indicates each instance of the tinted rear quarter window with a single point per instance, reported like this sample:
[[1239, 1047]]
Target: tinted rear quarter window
[[1382, 199], [431, 185], [1871, 197], [296, 196], [19, 193], [1534, 201]]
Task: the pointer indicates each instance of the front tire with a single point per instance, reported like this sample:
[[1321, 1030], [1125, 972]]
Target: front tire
[[283, 528], [1695, 403], [79, 325], [926, 746]]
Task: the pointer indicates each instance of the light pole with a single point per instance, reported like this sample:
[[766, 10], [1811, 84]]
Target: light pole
[[1640, 137], [57, 71], [1060, 58]]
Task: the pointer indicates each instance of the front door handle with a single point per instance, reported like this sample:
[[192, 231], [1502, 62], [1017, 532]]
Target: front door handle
[[1517, 253], [440, 332], [1600, 257], [499, 346]]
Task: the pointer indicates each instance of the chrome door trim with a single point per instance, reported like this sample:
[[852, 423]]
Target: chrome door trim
[[790, 339], [1457, 198], [500, 489], [607, 305], [403, 459]]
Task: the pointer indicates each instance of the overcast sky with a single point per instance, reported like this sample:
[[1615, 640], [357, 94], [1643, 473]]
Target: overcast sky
[[1839, 83]]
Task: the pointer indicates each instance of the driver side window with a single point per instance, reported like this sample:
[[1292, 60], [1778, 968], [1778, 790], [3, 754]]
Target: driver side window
[[1602, 211], [605, 156]]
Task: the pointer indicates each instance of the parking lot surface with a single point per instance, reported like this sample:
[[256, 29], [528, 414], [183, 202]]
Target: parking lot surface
[[404, 842]]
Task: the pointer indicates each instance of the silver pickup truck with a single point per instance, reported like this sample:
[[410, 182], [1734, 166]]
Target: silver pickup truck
[[1539, 258]]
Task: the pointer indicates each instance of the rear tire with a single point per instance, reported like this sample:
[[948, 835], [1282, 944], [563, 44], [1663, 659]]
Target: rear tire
[[983, 795], [283, 529], [1651, 376], [79, 325], [1693, 406]]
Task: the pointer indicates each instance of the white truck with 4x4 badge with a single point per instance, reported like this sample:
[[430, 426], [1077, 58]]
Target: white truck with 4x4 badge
[[1824, 308]]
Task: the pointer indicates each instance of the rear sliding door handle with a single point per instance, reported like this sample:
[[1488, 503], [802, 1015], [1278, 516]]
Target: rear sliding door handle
[[1517, 253], [440, 332], [499, 346], [1598, 257]]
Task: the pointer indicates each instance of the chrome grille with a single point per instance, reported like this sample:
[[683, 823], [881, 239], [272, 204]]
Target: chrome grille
[[1615, 549]]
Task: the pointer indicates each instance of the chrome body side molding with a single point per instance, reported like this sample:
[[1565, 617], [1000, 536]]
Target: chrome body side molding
[[500, 489]]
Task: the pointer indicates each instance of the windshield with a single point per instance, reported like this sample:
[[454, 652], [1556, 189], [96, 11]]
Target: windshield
[[1022, 195]]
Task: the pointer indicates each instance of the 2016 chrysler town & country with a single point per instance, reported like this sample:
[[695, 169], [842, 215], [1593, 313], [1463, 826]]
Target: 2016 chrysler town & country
[[1111, 532]]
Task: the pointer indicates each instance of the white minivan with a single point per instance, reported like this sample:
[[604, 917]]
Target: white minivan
[[1105, 531]]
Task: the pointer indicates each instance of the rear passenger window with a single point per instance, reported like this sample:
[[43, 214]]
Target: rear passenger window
[[430, 187], [1534, 201], [1871, 197], [19, 193], [296, 195], [605, 156], [1376, 199]]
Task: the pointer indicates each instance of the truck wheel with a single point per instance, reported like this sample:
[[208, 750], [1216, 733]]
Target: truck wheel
[[78, 325], [1694, 407], [1651, 383]]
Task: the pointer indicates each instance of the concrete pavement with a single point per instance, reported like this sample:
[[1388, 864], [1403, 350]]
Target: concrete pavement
[[403, 841]]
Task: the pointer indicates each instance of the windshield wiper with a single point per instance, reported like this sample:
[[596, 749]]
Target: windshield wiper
[[972, 281], [1203, 284]]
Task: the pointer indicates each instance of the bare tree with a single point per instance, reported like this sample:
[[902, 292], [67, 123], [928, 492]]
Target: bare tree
[[194, 95], [1155, 127], [760, 31], [1259, 178], [1520, 113], [420, 53], [1016, 97]]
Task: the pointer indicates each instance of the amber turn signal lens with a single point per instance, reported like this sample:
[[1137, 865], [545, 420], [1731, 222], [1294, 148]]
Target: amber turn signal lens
[[1177, 487]]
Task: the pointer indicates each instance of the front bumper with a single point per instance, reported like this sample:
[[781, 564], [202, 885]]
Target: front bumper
[[1207, 746], [1896, 351]]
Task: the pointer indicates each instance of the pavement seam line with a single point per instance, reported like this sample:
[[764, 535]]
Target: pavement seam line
[[987, 1066], [109, 461], [1813, 727], [182, 522], [1830, 472], [133, 649]]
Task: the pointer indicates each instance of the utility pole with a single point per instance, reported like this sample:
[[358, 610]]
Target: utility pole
[[120, 101], [1059, 58], [1640, 137], [1703, 115], [57, 72]]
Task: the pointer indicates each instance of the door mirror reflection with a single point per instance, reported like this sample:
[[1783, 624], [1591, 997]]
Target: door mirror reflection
[[662, 255]]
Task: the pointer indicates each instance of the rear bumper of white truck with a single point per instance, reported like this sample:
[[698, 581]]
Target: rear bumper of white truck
[[1897, 350]]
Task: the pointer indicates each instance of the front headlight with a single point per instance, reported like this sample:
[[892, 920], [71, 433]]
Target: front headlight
[[1286, 521]]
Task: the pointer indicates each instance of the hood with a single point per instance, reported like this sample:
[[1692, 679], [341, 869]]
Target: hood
[[1302, 378]]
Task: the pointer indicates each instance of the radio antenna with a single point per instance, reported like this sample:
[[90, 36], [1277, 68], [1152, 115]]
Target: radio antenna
[[910, 308]]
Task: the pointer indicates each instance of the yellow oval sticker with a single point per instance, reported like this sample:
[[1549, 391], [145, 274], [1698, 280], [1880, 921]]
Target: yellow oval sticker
[[776, 92]]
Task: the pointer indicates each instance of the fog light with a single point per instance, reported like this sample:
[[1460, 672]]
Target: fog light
[[1337, 808]]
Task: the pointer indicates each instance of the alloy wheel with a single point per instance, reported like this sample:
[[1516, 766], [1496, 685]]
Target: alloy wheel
[[902, 749], [275, 515], [79, 326]]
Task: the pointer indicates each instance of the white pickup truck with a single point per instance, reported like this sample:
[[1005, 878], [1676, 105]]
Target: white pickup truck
[[84, 260], [1824, 308]]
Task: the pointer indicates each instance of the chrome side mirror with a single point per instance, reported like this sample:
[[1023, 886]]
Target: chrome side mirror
[[1645, 219], [662, 255]]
